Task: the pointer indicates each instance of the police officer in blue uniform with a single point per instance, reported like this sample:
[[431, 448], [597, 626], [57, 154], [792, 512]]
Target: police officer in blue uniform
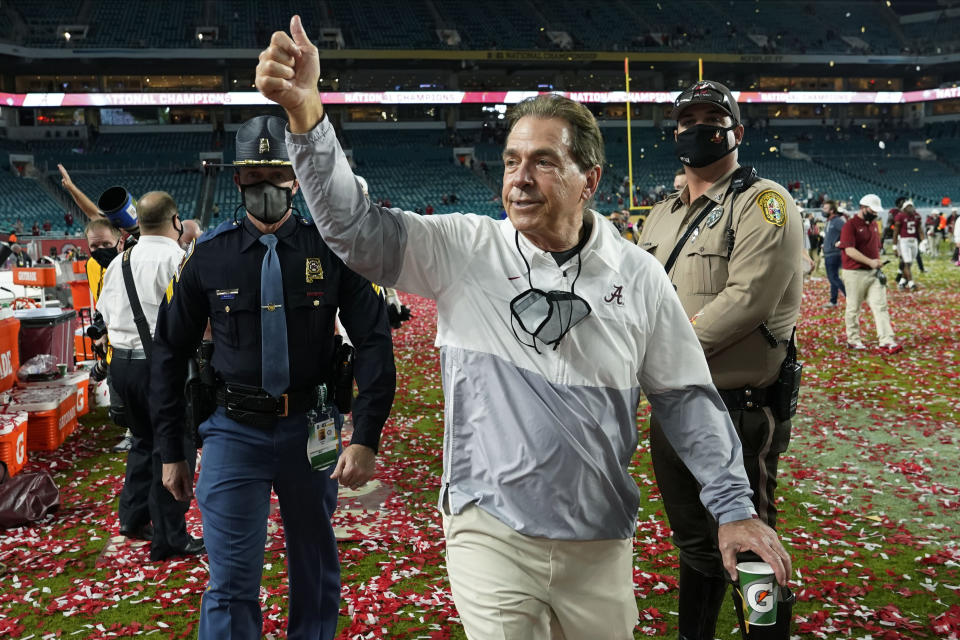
[[270, 288]]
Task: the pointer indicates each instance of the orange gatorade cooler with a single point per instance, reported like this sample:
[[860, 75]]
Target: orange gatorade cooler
[[13, 440], [52, 415], [82, 345], [9, 351], [80, 292], [35, 276], [79, 381]]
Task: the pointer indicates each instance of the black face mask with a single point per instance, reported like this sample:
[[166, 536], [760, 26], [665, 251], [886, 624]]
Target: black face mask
[[869, 217], [179, 229], [703, 144], [104, 256], [266, 201]]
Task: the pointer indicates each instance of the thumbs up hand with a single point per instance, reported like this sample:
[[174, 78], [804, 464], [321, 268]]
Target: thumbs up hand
[[288, 72]]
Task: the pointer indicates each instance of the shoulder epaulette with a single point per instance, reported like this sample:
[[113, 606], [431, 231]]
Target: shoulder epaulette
[[223, 227]]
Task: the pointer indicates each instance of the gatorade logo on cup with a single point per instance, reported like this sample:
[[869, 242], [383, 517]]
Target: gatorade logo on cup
[[759, 592], [760, 597], [120, 207]]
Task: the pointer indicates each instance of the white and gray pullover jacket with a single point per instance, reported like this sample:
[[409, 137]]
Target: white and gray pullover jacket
[[542, 441]]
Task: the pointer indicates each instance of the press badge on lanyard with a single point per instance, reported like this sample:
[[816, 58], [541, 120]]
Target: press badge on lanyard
[[323, 442]]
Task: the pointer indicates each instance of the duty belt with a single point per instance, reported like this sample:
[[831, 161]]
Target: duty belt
[[253, 405], [746, 398]]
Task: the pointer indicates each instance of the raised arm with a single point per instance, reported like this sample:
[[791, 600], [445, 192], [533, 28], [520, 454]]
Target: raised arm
[[86, 204], [288, 72], [418, 254]]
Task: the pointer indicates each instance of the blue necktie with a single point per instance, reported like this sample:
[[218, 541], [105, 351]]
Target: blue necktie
[[275, 367]]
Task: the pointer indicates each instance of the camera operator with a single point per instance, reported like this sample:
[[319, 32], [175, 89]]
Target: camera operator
[[105, 242], [133, 287]]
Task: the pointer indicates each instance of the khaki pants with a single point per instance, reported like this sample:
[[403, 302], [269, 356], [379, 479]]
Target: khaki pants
[[860, 285], [508, 586]]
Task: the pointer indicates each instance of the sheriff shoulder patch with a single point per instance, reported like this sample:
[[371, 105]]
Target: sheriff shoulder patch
[[773, 207]]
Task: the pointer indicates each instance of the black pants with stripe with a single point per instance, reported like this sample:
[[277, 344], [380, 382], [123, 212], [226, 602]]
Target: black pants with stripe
[[763, 439]]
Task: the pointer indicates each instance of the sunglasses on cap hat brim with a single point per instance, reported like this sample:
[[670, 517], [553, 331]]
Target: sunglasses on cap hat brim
[[704, 93]]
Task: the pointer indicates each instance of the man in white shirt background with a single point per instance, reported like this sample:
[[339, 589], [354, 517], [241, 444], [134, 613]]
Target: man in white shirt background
[[153, 262]]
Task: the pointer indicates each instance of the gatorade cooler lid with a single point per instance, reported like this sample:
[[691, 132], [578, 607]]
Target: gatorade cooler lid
[[9, 422], [40, 399]]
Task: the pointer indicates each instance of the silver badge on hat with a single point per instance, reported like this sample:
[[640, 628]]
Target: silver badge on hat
[[714, 216], [264, 145]]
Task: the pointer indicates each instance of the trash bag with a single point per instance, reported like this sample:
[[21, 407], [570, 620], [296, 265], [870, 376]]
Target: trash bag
[[40, 367], [26, 498]]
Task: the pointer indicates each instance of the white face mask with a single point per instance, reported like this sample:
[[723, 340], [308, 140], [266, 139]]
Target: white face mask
[[266, 201]]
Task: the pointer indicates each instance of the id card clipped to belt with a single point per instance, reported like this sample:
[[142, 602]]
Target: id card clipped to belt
[[323, 441]]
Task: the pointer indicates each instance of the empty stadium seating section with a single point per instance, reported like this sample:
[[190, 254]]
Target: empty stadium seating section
[[703, 25], [415, 168]]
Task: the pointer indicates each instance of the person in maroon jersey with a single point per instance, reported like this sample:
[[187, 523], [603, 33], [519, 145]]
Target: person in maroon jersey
[[860, 244], [906, 234]]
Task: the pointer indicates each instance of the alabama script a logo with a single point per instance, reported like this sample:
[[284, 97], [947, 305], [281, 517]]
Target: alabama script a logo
[[616, 295]]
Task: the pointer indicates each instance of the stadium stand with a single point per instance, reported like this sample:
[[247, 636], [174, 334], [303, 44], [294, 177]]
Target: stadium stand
[[416, 168], [773, 26], [25, 199]]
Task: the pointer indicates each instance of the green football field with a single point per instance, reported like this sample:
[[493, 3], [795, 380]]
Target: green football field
[[869, 500]]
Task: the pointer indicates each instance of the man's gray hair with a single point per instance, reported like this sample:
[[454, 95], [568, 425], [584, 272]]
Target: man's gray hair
[[586, 144]]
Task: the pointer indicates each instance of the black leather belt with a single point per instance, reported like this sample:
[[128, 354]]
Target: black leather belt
[[241, 399], [746, 398]]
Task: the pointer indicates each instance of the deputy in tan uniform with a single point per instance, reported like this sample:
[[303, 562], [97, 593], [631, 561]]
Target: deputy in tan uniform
[[729, 242]]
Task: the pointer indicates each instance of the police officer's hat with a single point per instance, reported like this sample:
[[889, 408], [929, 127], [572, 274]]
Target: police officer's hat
[[261, 142], [707, 92]]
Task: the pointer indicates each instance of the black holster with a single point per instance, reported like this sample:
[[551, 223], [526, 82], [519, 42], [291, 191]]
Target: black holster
[[786, 390], [200, 391]]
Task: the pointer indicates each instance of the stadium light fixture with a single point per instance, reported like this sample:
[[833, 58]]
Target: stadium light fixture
[[66, 36]]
